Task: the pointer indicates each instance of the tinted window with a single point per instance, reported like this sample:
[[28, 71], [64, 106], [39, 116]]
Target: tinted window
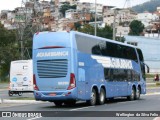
[[99, 47], [121, 75], [140, 55]]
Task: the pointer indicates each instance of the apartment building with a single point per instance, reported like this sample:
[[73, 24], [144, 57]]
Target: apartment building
[[78, 15], [146, 18]]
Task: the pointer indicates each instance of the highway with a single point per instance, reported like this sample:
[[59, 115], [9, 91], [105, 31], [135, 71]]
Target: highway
[[147, 103]]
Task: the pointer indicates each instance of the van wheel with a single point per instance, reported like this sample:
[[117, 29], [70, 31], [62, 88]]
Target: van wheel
[[132, 96], [92, 100], [102, 97], [10, 93], [58, 103], [20, 93], [138, 92]]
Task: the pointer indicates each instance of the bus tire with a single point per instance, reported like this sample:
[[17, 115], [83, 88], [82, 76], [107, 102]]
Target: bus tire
[[58, 103], [132, 96], [70, 103], [92, 100], [101, 97], [138, 93]]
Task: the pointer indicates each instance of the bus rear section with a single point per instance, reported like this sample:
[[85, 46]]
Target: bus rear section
[[21, 77], [54, 78]]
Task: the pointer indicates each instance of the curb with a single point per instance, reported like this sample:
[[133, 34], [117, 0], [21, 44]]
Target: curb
[[19, 101]]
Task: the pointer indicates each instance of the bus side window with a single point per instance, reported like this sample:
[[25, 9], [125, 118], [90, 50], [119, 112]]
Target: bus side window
[[96, 50], [106, 74], [129, 77], [111, 78]]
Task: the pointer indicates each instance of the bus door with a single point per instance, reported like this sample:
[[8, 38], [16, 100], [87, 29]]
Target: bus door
[[81, 84]]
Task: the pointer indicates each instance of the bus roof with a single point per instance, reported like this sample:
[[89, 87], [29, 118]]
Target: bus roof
[[65, 35]]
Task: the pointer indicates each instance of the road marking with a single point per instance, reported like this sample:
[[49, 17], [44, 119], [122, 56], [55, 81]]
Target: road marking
[[155, 93], [34, 118], [81, 108]]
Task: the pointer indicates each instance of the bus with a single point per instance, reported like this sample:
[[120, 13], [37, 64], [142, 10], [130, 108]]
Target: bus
[[21, 77], [72, 66]]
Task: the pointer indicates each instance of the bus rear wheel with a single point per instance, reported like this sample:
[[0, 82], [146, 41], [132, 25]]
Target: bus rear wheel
[[92, 100], [70, 103], [58, 103], [132, 96], [101, 97], [138, 92]]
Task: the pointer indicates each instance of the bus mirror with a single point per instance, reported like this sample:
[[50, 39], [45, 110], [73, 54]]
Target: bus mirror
[[147, 67]]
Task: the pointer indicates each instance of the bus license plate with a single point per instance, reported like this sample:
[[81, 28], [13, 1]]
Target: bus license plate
[[52, 94]]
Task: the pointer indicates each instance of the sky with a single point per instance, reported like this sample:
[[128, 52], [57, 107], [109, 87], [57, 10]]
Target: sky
[[11, 4]]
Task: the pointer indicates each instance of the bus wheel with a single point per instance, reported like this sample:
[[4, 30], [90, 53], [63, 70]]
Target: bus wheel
[[102, 97], [58, 103], [10, 93], [20, 93], [132, 96], [92, 100], [70, 103], [138, 92]]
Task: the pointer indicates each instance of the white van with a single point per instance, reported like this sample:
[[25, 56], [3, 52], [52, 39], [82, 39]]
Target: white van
[[21, 77]]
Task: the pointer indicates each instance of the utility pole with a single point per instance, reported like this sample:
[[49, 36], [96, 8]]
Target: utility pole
[[114, 25], [95, 24]]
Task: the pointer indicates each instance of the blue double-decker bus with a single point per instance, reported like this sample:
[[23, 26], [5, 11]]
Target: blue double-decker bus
[[72, 66]]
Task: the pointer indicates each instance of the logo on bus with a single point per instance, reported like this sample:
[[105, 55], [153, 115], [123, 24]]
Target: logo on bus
[[114, 62], [52, 54]]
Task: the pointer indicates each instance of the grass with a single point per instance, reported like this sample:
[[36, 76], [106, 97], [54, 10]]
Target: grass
[[150, 75], [157, 84], [22, 98]]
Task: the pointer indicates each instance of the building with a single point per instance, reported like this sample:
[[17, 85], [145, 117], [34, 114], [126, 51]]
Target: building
[[150, 48], [122, 31], [77, 15], [86, 6], [120, 16], [146, 18]]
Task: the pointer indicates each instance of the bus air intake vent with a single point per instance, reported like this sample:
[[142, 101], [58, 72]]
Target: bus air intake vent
[[52, 68]]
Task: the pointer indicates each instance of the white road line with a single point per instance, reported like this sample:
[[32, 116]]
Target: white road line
[[81, 108], [34, 118], [156, 93]]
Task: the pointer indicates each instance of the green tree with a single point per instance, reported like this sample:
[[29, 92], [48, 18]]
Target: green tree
[[106, 32], [8, 50], [65, 7], [136, 28], [87, 28]]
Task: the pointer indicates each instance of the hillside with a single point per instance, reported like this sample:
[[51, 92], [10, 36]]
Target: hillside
[[149, 6]]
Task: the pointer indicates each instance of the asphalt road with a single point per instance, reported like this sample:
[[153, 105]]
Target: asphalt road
[[4, 93], [147, 103]]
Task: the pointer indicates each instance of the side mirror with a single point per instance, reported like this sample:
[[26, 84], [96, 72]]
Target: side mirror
[[147, 67]]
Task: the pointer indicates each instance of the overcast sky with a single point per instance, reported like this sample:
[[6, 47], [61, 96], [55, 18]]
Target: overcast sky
[[11, 4]]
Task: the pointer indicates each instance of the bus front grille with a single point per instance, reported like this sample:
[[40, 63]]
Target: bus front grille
[[52, 68]]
